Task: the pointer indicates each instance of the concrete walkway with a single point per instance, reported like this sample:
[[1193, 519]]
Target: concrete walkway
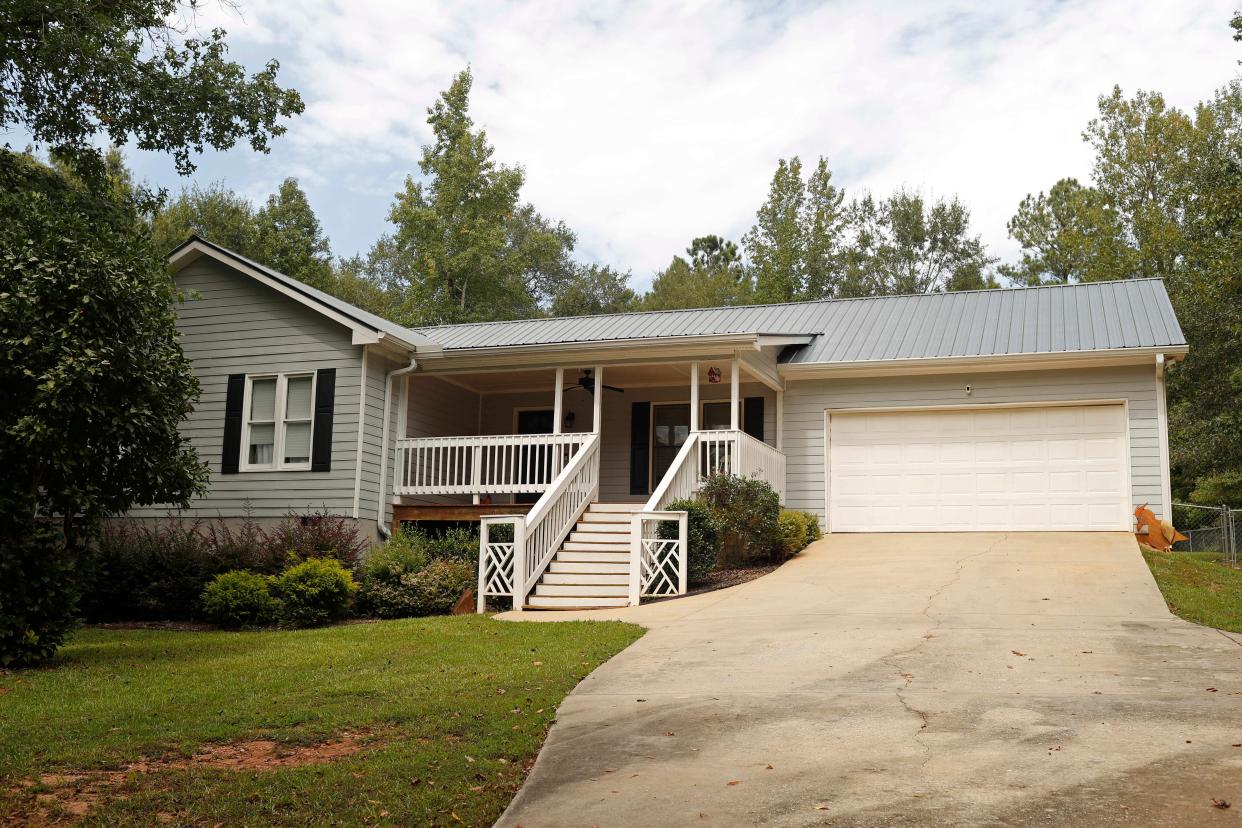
[[978, 679]]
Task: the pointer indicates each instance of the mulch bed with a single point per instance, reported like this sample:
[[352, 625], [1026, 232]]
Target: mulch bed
[[722, 578]]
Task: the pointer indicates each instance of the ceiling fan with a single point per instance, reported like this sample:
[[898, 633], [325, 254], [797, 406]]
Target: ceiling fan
[[587, 382]]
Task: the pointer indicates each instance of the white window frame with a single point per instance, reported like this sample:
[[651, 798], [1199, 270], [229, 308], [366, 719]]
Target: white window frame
[[280, 421]]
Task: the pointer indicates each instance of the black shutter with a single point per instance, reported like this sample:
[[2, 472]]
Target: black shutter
[[230, 457], [752, 417], [321, 440], [640, 447]]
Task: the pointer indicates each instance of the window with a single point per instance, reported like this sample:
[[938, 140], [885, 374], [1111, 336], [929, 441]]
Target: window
[[279, 421]]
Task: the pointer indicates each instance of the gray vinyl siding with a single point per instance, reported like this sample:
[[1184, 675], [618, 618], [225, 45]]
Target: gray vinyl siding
[[806, 401], [231, 324], [372, 439], [499, 418]]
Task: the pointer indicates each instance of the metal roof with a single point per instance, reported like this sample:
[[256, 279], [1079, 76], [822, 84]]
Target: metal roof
[[1133, 313]]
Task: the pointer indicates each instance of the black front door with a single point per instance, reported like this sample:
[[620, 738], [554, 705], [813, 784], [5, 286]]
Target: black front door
[[533, 422]]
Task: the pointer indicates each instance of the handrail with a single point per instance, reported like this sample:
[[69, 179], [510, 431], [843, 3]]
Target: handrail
[[681, 479], [555, 513], [484, 464]]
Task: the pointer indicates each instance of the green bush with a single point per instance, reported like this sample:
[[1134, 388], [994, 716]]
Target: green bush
[[316, 591], [797, 530], [748, 510], [1215, 489], [703, 535], [38, 595], [433, 590], [240, 599], [455, 543]]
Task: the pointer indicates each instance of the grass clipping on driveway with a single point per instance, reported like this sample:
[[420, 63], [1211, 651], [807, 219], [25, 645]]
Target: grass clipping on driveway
[[1198, 588], [418, 722]]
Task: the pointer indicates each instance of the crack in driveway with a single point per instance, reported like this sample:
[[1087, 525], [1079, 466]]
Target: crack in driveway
[[928, 635]]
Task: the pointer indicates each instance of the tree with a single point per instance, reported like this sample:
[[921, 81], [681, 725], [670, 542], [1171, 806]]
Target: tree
[[215, 213], [713, 277], [284, 234], [465, 248], [594, 289], [74, 69], [290, 239], [903, 245], [95, 387], [1071, 234], [794, 245]]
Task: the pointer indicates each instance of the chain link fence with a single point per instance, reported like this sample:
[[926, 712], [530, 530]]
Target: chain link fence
[[1215, 529]]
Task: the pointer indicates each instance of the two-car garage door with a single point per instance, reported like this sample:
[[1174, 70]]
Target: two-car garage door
[[1046, 468]]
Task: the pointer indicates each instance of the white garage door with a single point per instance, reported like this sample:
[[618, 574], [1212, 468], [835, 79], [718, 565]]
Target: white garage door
[[986, 469]]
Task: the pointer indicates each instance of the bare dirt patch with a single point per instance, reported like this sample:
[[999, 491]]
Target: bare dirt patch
[[66, 796]]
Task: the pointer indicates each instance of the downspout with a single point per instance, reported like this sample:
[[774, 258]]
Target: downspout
[[381, 506]]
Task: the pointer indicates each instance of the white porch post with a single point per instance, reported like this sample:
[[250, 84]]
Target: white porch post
[[558, 401], [694, 397], [734, 416], [598, 419], [780, 420]]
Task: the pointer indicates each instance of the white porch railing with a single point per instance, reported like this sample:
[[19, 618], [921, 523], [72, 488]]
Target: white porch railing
[[499, 464], [717, 452], [658, 564], [510, 568]]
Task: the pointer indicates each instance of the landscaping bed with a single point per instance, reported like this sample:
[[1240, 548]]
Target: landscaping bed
[[430, 721], [1197, 587]]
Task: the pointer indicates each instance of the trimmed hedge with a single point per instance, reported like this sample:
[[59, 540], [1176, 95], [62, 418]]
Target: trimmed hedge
[[316, 591], [240, 599]]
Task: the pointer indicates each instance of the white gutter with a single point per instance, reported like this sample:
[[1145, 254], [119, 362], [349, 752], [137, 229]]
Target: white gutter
[[381, 506]]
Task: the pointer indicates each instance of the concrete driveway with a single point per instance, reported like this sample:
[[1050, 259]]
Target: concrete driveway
[[983, 679]]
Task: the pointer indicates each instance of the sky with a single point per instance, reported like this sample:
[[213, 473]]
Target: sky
[[643, 124]]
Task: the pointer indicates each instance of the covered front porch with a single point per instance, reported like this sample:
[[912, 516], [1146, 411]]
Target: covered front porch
[[541, 445]]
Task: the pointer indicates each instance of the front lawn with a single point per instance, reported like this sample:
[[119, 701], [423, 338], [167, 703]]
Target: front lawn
[[417, 722], [1198, 588]]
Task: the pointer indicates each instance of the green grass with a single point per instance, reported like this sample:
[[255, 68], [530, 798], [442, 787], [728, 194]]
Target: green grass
[[1198, 588], [454, 708]]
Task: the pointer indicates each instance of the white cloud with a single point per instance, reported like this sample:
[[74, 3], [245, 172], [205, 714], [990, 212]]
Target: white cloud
[[642, 124]]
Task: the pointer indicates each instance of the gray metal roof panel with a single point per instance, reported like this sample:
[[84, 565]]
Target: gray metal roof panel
[[1047, 319]]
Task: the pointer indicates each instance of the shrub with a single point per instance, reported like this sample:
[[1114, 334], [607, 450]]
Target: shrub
[[1215, 489], [400, 579], [38, 595], [315, 535], [316, 591], [151, 571], [244, 547], [433, 590], [455, 543], [797, 530], [240, 599], [748, 510], [703, 535]]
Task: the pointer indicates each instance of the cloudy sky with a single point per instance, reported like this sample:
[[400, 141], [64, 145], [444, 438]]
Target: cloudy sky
[[642, 124]]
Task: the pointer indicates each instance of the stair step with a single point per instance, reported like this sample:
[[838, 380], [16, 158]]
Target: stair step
[[565, 602], [599, 537], [567, 554], [589, 567], [616, 507], [614, 518], [603, 528], [588, 546], [584, 590], [622, 578]]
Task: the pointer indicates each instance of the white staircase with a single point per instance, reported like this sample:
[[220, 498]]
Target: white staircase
[[592, 567]]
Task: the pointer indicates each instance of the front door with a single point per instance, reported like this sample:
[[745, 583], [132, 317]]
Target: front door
[[670, 426], [533, 422]]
